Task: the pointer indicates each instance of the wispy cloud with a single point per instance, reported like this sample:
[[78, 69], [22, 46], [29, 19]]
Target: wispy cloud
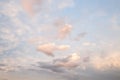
[[17, 63], [30, 32], [80, 35], [30, 5]]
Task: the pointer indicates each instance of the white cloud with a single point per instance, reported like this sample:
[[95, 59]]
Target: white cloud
[[63, 47], [29, 6]]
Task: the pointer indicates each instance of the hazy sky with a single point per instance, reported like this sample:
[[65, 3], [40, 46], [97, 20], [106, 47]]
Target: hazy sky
[[59, 39]]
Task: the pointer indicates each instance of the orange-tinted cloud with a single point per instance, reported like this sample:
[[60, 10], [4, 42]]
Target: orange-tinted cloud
[[29, 6], [110, 61], [71, 61], [81, 35], [49, 48], [65, 31]]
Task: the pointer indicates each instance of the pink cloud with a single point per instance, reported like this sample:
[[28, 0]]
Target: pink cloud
[[29, 6], [50, 48], [65, 31], [112, 60]]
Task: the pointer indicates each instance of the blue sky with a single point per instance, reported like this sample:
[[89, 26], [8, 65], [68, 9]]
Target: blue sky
[[59, 39]]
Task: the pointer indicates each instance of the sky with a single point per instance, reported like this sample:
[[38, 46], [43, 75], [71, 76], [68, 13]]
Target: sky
[[59, 40]]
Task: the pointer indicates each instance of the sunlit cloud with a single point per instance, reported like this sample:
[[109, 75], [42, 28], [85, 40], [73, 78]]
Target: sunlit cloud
[[50, 48], [38, 37], [30, 5], [71, 61], [111, 61], [65, 31]]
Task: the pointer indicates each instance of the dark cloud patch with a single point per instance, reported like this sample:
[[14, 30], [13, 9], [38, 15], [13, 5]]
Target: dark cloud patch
[[51, 67], [69, 62], [1, 67], [80, 35]]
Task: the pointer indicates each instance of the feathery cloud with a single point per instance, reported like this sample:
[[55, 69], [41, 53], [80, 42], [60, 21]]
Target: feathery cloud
[[17, 63], [29, 6]]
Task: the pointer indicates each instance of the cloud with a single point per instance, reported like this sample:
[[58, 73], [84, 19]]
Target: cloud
[[88, 44], [29, 6], [71, 61], [110, 61], [50, 48], [12, 28], [115, 22], [63, 47], [8, 40], [37, 40], [47, 48], [17, 63], [62, 65], [51, 67], [79, 36], [11, 9], [65, 4], [64, 31]]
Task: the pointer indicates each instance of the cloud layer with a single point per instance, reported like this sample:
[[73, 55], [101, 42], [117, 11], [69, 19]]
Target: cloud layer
[[80, 36]]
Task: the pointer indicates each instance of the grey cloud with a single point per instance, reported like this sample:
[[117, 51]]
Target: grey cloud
[[71, 61], [63, 65], [51, 67], [80, 35]]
